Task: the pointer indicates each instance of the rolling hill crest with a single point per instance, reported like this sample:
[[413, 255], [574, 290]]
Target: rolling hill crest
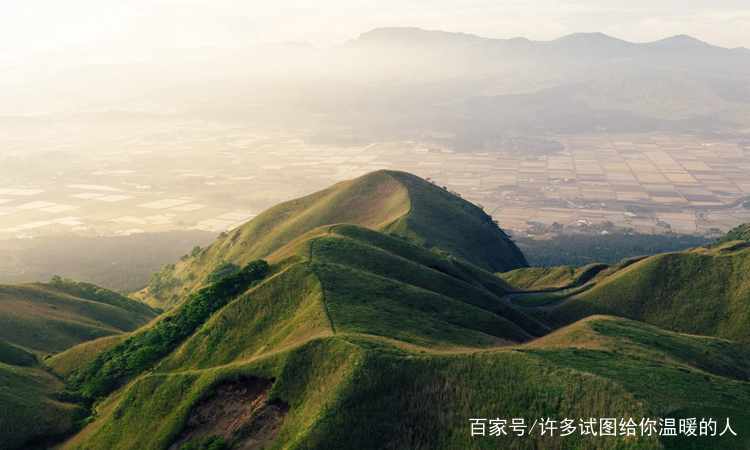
[[374, 307], [396, 204], [385, 259]]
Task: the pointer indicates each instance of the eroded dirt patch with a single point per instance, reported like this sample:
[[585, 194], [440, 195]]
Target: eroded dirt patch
[[237, 413]]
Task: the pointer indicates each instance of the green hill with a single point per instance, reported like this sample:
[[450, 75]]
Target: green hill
[[46, 318], [350, 280], [395, 203], [540, 278], [304, 331], [15, 356], [336, 279], [30, 416], [68, 362], [700, 291], [444, 221], [740, 233], [388, 395]]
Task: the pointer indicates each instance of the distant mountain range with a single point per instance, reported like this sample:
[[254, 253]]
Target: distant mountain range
[[407, 83], [577, 45]]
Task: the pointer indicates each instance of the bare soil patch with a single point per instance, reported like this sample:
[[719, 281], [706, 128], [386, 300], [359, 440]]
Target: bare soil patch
[[237, 413]]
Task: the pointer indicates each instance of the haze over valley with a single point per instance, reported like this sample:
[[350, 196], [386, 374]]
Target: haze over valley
[[583, 129]]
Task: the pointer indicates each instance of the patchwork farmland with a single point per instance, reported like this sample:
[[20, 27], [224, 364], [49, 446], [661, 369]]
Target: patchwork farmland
[[196, 175]]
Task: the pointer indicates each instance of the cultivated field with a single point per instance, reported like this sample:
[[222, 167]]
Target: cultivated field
[[157, 176]]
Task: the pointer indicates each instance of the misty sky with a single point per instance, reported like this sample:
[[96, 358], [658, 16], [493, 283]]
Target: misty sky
[[113, 30]]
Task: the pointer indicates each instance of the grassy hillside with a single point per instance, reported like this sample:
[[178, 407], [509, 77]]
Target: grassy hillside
[[395, 344], [379, 334], [38, 319], [440, 219], [389, 395], [405, 294], [393, 202], [66, 364], [677, 375], [701, 291], [539, 278], [138, 352], [740, 233], [29, 415], [15, 356], [48, 318], [615, 334], [351, 280]]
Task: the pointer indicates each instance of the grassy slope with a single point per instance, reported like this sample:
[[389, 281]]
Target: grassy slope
[[394, 202], [371, 201], [67, 363], [305, 301], [534, 278], [444, 302], [699, 291], [27, 411], [388, 395], [378, 343], [15, 356], [443, 220], [39, 319], [45, 319], [346, 254], [677, 374], [443, 263], [615, 334], [740, 233], [403, 292], [363, 345], [284, 311]]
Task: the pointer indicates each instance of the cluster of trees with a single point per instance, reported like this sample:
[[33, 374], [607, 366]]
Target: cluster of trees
[[191, 254], [740, 233], [93, 292], [580, 249], [142, 350], [221, 270], [162, 280]]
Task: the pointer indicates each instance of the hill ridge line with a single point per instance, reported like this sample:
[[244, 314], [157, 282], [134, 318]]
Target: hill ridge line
[[322, 286], [408, 191], [407, 260], [411, 201], [419, 288]]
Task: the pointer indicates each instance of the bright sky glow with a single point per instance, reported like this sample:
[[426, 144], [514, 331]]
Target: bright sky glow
[[86, 30]]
